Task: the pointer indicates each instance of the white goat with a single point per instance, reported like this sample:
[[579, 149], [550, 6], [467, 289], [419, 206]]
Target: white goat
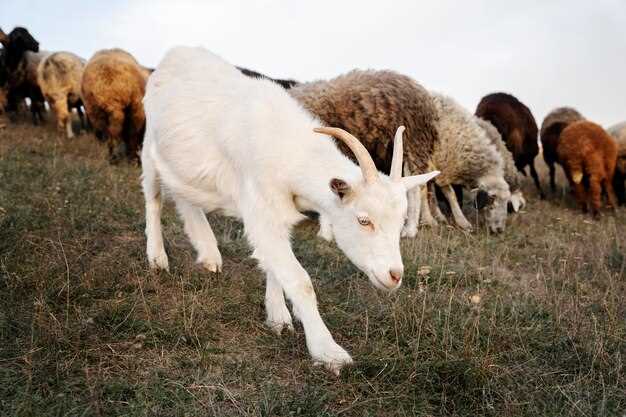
[[218, 140]]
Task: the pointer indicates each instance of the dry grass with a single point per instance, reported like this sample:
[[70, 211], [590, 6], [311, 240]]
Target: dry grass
[[528, 323]]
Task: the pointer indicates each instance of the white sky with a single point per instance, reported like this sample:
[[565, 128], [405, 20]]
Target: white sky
[[546, 52]]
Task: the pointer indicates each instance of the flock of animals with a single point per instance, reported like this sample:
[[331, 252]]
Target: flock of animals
[[213, 136]]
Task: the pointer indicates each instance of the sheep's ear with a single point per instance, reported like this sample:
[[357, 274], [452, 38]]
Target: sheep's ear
[[417, 180], [340, 187], [481, 200]]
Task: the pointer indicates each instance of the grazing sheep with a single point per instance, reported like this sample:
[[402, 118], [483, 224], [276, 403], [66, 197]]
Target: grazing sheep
[[588, 155], [286, 84], [466, 156], [21, 57], [517, 127], [59, 76], [618, 131], [112, 87], [372, 104], [551, 129], [511, 175], [217, 140]]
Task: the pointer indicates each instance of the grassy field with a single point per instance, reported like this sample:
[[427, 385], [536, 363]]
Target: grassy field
[[528, 323]]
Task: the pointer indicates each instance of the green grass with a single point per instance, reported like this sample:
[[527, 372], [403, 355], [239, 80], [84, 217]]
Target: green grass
[[87, 329]]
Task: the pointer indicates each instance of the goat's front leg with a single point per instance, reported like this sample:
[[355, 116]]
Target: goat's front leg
[[326, 229], [457, 213], [273, 250]]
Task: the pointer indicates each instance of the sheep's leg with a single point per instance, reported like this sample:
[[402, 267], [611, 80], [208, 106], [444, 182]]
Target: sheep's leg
[[533, 173], [413, 210], [595, 195], [618, 186], [278, 315], [326, 229], [427, 217], [115, 128], [157, 258], [276, 258], [201, 235], [610, 192], [457, 213], [61, 110], [552, 175], [434, 203], [81, 116]]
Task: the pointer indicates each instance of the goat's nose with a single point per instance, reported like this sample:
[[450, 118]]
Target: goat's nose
[[395, 275]]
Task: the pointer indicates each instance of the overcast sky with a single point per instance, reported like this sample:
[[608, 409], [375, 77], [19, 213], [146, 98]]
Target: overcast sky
[[548, 53]]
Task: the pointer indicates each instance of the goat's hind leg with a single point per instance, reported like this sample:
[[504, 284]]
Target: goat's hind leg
[[157, 258], [278, 315], [201, 235]]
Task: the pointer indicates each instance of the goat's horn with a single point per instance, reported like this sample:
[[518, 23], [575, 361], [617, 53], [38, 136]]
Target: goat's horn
[[396, 161], [370, 173]]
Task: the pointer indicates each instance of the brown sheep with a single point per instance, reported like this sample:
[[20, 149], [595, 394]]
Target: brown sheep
[[551, 129], [371, 105], [618, 132], [588, 155], [517, 127], [59, 76], [113, 86]]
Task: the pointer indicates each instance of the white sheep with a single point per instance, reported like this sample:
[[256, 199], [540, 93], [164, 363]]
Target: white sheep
[[218, 140], [466, 156]]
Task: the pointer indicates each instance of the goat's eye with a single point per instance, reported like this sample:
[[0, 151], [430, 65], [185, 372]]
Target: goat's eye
[[364, 221]]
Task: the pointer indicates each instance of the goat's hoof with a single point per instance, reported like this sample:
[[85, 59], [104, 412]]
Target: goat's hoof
[[277, 326], [159, 262], [214, 266], [409, 231], [332, 357], [466, 226]]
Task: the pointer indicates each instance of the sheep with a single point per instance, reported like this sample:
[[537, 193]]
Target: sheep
[[518, 129], [466, 157], [286, 84], [618, 132], [371, 104], [551, 129], [112, 88], [21, 58], [511, 175], [588, 155], [59, 76], [218, 140]]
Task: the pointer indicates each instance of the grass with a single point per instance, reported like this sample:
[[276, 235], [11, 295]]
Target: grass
[[528, 323]]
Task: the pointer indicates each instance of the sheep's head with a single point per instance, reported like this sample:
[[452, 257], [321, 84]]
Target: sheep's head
[[367, 217], [21, 39], [493, 195]]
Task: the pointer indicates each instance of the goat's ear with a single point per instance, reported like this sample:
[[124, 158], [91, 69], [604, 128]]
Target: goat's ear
[[417, 180], [340, 187]]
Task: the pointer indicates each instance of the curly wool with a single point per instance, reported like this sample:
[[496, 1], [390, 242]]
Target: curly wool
[[618, 131], [371, 105], [113, 86], [464, 153], [59, 76], [511, 174], [550, 135]]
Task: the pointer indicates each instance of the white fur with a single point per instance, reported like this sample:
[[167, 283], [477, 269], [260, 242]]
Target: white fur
[[218, 140]]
